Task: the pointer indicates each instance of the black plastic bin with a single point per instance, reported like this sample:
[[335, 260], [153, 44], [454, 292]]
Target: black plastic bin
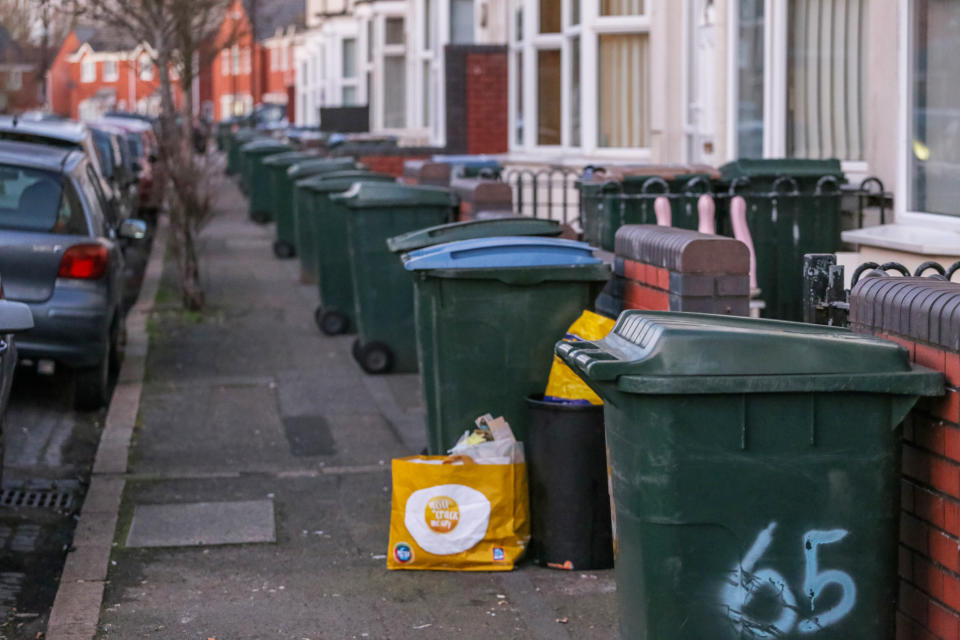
[[569, 499]]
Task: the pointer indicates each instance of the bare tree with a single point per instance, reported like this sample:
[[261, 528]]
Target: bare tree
[[181, 36]]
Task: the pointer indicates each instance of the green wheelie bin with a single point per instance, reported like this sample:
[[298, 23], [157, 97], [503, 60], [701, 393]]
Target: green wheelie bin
[[382, 291], [234, 141], [755, 473], [281, 197], [612, 198], [255, 174], [488, 312], [303, 231], [326, 224], [792, 208]]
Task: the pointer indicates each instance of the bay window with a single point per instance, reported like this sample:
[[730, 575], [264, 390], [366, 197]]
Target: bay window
[[580, 75]]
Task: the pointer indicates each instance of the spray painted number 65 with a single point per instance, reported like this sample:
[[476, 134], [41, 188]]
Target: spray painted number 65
[[747, 582]]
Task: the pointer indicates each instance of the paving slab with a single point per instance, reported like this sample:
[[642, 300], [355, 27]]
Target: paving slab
[[202, 524]]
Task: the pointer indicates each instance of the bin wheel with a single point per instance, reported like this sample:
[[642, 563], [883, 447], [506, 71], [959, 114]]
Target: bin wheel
[[355, 349], [283, 249], [375, 357], [332, 322], [260, 217]]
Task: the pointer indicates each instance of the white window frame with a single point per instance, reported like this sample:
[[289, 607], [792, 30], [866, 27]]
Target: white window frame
[[354, 81], [381, 51], [274, 65], [146, 68], [111, 77], [14, 80], [591, 26], [775, 45], [235, 60], [903, 211], [225, 62], [88, 71]]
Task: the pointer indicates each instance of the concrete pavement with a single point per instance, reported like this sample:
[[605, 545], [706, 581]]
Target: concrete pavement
[[248, 402]]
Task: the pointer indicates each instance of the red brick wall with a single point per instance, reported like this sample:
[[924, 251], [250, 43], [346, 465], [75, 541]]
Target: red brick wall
[[929, 559], [392, 165], [486, 96], [27, 97]]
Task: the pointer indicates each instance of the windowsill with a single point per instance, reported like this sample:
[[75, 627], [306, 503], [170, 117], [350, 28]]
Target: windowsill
[[910, 237], [557, 156]]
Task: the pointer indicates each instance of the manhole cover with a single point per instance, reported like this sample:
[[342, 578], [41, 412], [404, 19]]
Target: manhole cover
[[38, 499]]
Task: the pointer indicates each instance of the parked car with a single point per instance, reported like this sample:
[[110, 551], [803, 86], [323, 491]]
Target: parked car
[[15, 317], [143, 146], [68, 134], [60, 254], [118, 166]]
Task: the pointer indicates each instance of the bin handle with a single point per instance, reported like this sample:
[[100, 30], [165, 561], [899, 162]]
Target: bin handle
[[792, 189], [741, 231], [649, 183], [707, 214]]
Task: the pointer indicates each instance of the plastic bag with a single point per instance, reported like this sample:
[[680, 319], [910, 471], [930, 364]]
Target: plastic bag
[[563, 385]]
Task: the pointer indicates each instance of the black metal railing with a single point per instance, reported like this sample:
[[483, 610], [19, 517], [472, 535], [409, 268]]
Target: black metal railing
[[545, 193]]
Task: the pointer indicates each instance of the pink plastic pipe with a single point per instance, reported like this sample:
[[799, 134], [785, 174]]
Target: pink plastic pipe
[[707, 215], [738, 217], [661, 209]]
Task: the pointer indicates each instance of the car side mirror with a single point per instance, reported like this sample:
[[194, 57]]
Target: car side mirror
[[15, 317], [133, 229], [153, 158]]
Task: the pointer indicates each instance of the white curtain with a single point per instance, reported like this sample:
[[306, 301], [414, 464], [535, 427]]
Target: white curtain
[[624, 101], [826, 80]]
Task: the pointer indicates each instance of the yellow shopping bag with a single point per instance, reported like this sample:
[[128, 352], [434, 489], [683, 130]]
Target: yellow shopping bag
[[449, 513], [563, 385]]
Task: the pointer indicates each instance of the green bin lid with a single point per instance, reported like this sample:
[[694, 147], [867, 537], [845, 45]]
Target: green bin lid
[[692, 353], [264, 145], [367, 195], [776, 167], [246, 135], [514, 226], [289, 158], [318, 165], [340, 181]]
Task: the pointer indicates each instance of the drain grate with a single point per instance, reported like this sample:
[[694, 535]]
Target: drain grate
[[39, 499]]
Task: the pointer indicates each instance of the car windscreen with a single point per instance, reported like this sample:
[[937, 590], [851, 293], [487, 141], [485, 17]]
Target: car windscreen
[[33, 200], [136, 144], [104, 152]]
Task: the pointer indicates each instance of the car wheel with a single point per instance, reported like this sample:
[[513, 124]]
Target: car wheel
[[355, 349], [376, 357], [91, 384], [332, 322]]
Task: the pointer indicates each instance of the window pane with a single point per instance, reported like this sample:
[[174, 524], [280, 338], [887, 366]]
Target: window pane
[[750, 79], [935, 83], [394, 92], [550, 16], [548, 97], [428, 24], [575, 11], [350, 58], [519, 24], [621, 7], [624, 103], [370, 41], [461, 21], [573, 91], [349, 96], [395, 31], [825, 79], [518, 133]]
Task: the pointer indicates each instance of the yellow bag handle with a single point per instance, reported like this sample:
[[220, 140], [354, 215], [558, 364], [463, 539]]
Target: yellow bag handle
[[459, 458]]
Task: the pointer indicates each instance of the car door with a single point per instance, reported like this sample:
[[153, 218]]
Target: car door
[[104, 223]]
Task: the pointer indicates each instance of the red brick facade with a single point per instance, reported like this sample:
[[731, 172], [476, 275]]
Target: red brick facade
[[392, 165], [128, 86], [27, 97], [929, 557], [486, 89]]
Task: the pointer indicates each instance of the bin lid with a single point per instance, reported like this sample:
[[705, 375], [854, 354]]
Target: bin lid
[[366, 195], [318, 165], [502, 252], [246, 135], [776, 167], [340, 181], [693, 353], [264, 145], [455, 231], [289, 158]]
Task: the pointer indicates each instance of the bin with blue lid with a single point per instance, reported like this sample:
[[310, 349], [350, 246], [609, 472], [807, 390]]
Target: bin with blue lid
[[488, 312], [382, 291], [755, 474], [325, 222], [471, 166]]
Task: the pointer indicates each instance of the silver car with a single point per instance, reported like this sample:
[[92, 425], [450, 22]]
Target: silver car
[[59, 254]]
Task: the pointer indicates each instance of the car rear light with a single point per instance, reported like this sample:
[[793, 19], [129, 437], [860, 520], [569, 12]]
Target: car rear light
[[84, 262]]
